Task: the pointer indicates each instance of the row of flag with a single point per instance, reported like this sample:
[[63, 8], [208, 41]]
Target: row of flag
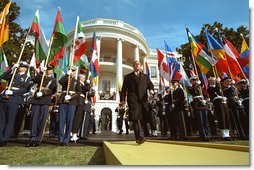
[[221, 57]]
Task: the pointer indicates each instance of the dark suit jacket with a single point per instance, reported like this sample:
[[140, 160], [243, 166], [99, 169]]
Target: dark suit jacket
[[136, 90]]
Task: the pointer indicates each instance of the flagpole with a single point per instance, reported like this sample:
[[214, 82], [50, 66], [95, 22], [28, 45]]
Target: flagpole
[[46, 62], [20, 55], [72, 56], [194, 63]]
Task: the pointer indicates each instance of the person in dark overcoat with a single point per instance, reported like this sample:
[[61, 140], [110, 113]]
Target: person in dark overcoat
[[136, 85]]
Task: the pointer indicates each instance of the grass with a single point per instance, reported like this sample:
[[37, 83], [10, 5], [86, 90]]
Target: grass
[[52, 155]]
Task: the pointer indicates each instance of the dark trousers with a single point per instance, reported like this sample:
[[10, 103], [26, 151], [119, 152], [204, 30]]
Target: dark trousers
[[79, 115], [153, 120], [238, 120], [163, 124], [202, 123], [180, 123], [54, 123], [38, 121], [137, 129], [86, 123], [66, 115], [172, 124], [8, 112], [19, 120]]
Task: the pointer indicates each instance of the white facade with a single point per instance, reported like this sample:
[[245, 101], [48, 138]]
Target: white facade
[[119, 45]]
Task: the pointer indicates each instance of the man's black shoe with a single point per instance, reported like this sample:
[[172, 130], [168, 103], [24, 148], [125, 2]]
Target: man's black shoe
[[37, 144], [140, 141], [31, 144]]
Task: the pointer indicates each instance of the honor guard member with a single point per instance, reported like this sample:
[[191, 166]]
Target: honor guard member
[[199, 107], [235, 106], [40, 104], [168, 101], [121, 111], [83, 100], [178, 109], [11, 100], [67, 105], [243, 89], [136, 84], [219, 105], [162, 115]]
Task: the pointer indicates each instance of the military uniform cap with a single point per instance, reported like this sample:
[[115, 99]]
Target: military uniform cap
[[225, 78], [194, 78], [242, 81], [23, 64], [211, 79], [74, 68], [50, 67]]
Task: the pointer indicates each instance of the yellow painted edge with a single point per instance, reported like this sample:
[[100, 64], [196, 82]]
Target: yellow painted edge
[[207, 145], [110, 158]]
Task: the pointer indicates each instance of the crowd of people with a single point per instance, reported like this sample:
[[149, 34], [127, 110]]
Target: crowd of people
[[220, 110], [72, 110]]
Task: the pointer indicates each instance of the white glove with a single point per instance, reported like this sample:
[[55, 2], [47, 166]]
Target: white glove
[[67, 97], [43, 69], [233, 81], [9, 92], [173, 106], [39, 94], [199, 82], [15, 66], [218, 79], [88, 81], [248, 83], [69, 72]]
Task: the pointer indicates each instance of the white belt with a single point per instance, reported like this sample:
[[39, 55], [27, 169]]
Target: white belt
[[15, 88], [82, 95], [197, 97], [71, 92]]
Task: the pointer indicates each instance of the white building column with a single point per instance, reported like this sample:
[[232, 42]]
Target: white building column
[[136, 53], [119, 67]]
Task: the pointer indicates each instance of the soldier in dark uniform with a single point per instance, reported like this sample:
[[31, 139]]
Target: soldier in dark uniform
[[162, 115], [12, 99], [40, 105], [153, 112], [136, 85], [199, 107], [83, 100], [168, 101], [219, 106], [235, 106], [67, 105], [178, 110], [121, 111], [243, 89]]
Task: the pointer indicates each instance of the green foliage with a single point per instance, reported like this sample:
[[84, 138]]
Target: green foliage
[[17, 36]]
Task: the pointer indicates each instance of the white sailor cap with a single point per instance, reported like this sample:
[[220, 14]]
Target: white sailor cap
[[74, 68], [194, 78], [211, 79], [81, 35]]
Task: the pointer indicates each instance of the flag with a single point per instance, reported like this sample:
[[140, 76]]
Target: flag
[[184, 78], [147, 70], [33, 63], [192, 71], [94, 63], [173, 64], [59, 39], [218, 51], [41, 45], [201, 55], [80, 58], [4, 24], [245, 53], [232, 56], [162, 65], [3, 62], [205, 81]]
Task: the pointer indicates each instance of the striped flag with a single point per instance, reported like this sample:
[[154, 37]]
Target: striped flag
[[201, 55], [94, 63], [4, 24], [3, 61], [147, 69], [245, 53], [41, 46]]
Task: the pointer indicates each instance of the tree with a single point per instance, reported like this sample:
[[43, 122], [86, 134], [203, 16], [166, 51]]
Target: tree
[[232, 35], [17, 36]]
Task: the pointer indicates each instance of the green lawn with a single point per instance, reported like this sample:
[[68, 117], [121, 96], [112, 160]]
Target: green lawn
[[52, 155]]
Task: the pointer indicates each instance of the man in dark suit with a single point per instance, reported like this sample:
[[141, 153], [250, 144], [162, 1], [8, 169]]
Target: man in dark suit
[[12, 99], [40, 105], [136, 85]]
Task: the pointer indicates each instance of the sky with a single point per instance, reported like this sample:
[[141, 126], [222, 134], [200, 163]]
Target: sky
[[157, 20]]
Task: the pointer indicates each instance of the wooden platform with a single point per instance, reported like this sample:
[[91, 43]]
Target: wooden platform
[[155, 152]]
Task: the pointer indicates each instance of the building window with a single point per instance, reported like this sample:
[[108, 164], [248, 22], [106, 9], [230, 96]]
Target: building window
[[106, 86], [153, 71]]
